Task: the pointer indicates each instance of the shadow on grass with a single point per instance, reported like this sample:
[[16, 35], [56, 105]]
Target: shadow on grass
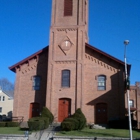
[[95, 133], [99, 134]]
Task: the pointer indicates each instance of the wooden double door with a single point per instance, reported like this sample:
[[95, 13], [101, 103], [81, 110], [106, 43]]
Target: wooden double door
[[101, 113], [64, 109], [34, 110]]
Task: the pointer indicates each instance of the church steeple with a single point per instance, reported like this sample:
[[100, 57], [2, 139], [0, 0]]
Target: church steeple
[[67, 13], [68, 35]]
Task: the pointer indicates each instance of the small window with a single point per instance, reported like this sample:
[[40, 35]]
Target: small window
[[101, 82], [65, 78], [131, 103], [36, 82], [3, 99], [0, 109], [68, 4]]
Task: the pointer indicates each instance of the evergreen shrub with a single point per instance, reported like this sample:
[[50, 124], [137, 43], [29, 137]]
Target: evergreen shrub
[[70, 124], [12, 124], [80, 117], [2, 124], [76, 122], [38, 123], [122, 124], [46, 113]]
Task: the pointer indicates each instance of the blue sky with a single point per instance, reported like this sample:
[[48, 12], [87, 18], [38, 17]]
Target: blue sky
[[25, 25]]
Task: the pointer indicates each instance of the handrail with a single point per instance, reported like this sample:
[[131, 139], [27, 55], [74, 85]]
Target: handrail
[[18, 118]]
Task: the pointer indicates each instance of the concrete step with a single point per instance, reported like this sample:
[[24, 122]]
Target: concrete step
[[24, 125], [44, 134], [98, 126]]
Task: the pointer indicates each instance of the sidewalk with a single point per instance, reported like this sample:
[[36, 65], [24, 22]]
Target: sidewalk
[[46, 134], [13, 137]]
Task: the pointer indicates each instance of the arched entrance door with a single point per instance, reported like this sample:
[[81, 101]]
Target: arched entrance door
[[64, 107], [34, 110], [101, 113]]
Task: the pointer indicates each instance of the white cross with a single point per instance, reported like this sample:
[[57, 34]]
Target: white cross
[[66, 43]]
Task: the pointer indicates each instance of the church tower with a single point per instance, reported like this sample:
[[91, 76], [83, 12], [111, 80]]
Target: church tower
[[68, 35]]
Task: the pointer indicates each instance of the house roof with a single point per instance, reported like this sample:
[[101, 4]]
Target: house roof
[[8, 93], [13, 67]]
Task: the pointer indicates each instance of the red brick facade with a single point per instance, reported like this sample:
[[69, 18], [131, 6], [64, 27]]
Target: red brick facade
[[24, 94], [134, 97], [69, 50]]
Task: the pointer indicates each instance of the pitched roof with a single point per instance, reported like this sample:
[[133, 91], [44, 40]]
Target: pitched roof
[[8, 93], [13, 67], [104, 54]]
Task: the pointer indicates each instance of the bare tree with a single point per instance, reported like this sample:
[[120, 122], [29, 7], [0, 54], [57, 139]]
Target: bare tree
[[6, 85]]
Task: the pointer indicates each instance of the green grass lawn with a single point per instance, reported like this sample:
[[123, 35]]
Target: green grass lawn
[[100, 133], [85, 132], [11, 130]]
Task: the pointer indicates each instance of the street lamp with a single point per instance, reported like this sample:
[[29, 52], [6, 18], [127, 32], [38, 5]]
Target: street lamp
[[126, 42]]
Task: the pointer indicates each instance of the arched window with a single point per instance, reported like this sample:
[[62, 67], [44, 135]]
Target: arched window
[[65, 78], [36, 82], [68, 4], [131, 103], [101, 82]]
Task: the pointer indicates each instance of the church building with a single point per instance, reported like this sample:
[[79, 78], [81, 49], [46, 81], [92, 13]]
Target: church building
[[70, 73]]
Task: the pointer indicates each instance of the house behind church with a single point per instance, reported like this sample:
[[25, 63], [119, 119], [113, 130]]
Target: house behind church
[[6, 104]]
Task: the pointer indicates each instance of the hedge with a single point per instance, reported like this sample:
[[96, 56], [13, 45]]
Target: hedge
[[2, 124], [70, 124], [76, 122], [38, 123], [46, 113], [9, 124], [122, 124], [80, 117], [12, 124]]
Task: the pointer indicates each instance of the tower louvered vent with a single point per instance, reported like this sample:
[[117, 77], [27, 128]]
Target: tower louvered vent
[[68, 4]]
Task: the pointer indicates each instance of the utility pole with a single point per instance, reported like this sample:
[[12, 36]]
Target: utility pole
[[126, 42]]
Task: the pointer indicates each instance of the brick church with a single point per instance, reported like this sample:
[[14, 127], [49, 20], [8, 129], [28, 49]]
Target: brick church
[[70, 73]]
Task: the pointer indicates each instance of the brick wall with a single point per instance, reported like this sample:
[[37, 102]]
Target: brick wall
[[24, 94]]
